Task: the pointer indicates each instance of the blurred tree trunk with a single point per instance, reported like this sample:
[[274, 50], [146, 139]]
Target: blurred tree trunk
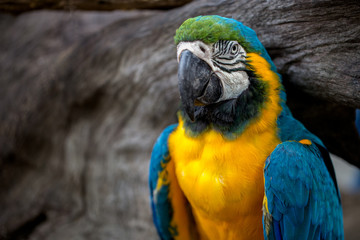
[[83, 96], [20, 6]]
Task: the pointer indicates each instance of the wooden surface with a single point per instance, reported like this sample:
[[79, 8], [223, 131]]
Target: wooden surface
[[83, 96], [20, 6]]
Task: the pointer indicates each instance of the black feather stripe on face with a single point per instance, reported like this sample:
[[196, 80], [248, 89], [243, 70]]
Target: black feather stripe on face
[[229, 70], [228, 56]]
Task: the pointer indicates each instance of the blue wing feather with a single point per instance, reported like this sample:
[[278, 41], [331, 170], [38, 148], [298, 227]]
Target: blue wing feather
[[160, 204], [302, 199]]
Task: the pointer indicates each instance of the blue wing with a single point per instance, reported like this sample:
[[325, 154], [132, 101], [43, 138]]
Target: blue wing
[[160, 204], [171, 212], [301, 199]]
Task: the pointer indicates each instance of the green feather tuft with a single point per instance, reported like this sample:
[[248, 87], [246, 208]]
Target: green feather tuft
[[211, 29]]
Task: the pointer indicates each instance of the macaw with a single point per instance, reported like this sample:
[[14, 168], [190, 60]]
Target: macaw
[[238, 165]]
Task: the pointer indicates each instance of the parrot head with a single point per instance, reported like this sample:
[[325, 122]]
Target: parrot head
[[221, 74]]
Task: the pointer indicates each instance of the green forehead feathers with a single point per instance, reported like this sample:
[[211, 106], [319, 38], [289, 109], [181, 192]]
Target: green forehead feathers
[[211, 29]]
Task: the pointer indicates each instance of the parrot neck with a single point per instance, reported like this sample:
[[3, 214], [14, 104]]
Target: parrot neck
[[256, 109]]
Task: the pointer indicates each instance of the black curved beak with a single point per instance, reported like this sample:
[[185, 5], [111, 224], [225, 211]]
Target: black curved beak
[[198, 84]]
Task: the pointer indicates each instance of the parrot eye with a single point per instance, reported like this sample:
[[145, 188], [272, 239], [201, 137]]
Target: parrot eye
[[228, 56], [234, 49], [226, 49]]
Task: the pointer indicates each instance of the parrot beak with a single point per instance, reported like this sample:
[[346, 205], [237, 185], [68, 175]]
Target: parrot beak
[[198, 84]]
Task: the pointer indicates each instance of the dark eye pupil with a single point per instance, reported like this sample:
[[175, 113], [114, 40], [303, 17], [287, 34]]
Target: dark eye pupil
[[234, 48]]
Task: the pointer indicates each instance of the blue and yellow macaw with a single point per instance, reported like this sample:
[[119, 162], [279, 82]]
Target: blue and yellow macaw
[[238, 165]]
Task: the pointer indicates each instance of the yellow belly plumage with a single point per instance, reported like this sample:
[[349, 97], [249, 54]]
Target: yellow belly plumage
[[223, 179]]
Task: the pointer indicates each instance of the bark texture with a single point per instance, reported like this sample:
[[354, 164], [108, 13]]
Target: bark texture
[[20, 6], [83, 96]]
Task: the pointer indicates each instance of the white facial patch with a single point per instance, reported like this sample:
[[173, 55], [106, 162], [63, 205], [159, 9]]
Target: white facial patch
[[198, 48], [234, 84], [226, 59]]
